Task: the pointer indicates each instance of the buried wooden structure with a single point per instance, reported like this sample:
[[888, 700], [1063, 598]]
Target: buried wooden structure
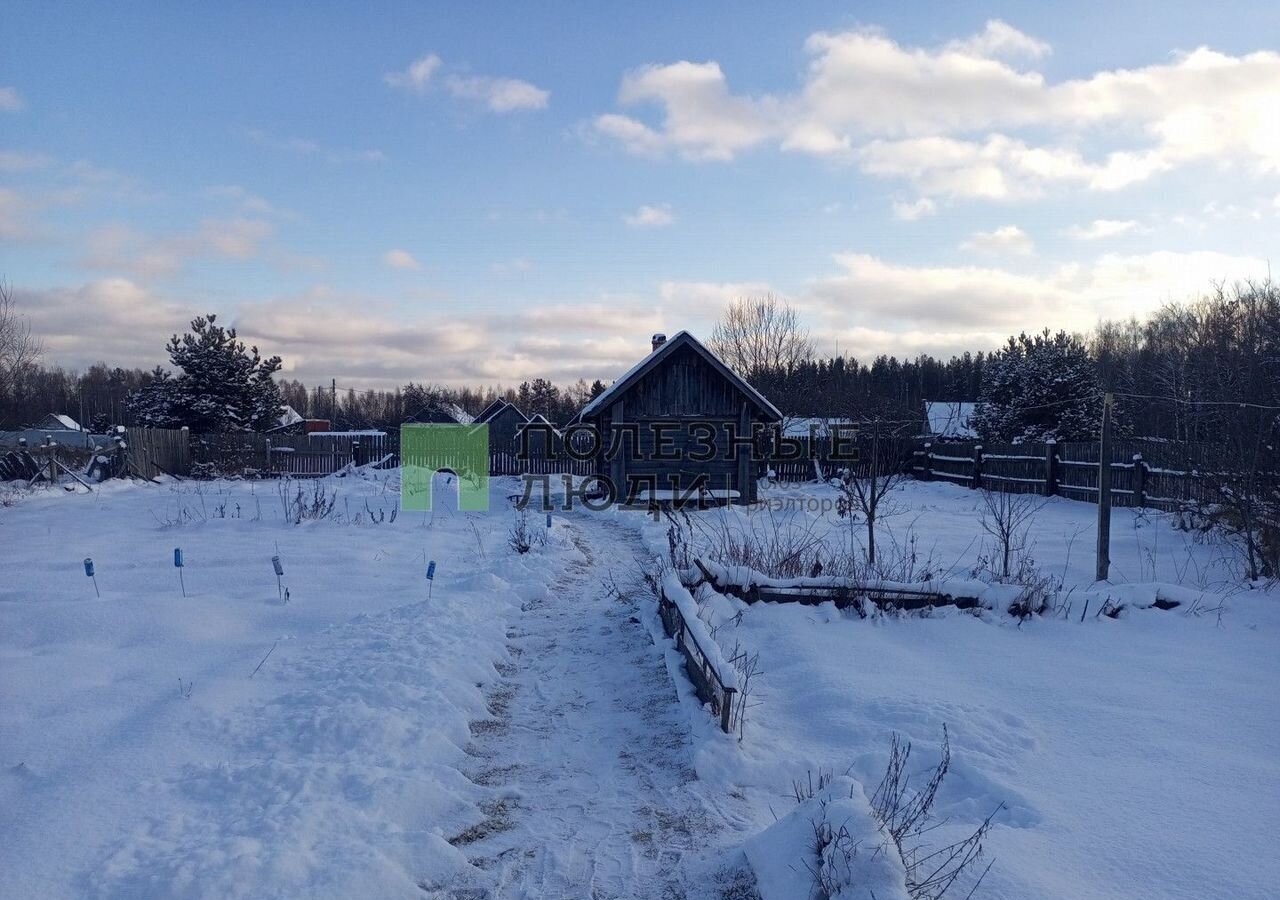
[[842, 595], [706, 680]]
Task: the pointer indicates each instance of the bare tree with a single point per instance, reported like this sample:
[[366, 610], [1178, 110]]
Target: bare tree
[[883, 452], [1006, 517], [759, 335], [18, 348]]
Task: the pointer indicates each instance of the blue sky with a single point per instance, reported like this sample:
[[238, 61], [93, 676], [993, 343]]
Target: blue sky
[[487, 193]]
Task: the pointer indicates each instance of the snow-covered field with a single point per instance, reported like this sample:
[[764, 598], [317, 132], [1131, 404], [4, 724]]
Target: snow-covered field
[[518, 734]]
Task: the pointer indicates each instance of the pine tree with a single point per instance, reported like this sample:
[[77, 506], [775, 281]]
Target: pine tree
[[1039, 388], [222, 386]]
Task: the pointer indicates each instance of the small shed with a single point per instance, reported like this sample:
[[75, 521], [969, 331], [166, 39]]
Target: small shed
[[685, 392], [504, 421]]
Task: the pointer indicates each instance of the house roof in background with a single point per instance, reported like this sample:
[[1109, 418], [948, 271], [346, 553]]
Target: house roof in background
[[665, 349], [951, 419], [59, 420]]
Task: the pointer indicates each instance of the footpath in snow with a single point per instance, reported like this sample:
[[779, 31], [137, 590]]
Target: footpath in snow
[[587, 753]]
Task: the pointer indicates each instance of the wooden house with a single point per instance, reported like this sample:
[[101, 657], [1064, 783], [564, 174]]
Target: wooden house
[[698, 403], [543, 439], [504, 420], [485, 414]]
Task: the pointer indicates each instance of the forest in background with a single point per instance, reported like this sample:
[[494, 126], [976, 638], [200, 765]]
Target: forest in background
[[1179, 374]]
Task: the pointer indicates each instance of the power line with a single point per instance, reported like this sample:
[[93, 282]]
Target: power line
[[1236, 403]]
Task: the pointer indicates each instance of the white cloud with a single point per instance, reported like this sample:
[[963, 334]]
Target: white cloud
[[307, 147], [10, 100], [417, 75], [1003, 241], [1100, 229], [702, 119], [246, 200], [946, 118], [123, 249], [501, 95], [1000, 39], [651, 217], [401, 259], [915, 209], [15, 216], [874, 293]]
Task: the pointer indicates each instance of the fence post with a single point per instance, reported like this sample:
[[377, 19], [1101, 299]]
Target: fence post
[[267, 450], [1139, 480], [977, 466], [726, 709], [1104, 492], [1050, 468], [928, 461]]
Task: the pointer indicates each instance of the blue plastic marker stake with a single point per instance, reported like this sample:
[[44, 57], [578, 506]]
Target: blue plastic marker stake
[[279, 569], [88, 570], [431, 577], [177, 564]]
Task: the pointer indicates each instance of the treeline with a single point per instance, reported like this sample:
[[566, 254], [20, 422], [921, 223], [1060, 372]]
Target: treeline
[[887, 387], [1192, 371]]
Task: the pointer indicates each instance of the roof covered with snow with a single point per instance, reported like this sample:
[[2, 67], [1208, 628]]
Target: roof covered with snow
[[59, 420], [490, 411], [288, 416], [663, 350], [951, 420]]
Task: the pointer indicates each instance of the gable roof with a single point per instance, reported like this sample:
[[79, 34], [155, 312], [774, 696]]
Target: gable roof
[[490, 411], [538, 419], [951, 420], [665, 349], [60, 421]]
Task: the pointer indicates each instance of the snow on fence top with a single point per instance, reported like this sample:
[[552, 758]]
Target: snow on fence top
[[677, 593]]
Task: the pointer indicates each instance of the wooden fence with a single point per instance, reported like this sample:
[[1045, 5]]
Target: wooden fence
[[706, 681], [814, 592], [324, 454], [153, 452], [1145, 473]]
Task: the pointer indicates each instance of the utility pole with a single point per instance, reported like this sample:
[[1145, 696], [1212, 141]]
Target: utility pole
[[333, 404], [1104, 491]]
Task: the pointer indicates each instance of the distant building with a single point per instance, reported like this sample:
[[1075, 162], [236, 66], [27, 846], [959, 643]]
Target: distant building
[[439, 412], [505, 421], [950, 421], [58, 422]]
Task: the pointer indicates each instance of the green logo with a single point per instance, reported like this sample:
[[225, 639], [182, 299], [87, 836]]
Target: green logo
[[460, 449]]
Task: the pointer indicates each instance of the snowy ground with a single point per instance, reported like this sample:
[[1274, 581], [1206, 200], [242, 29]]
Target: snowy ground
[[520, 734], [1135, 756]]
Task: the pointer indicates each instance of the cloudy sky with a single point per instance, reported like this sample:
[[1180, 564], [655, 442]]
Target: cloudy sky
[[486, 193]]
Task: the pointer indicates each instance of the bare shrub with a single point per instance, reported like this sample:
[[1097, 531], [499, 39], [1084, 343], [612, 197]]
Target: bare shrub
[[1007, 517], [299, 507], [747, 666], [522, 538], [866, 489], [907, 815], [771, 543]]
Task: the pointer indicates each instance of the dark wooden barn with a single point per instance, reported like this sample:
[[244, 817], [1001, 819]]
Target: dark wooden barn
[[504, 420], [697, 402]]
